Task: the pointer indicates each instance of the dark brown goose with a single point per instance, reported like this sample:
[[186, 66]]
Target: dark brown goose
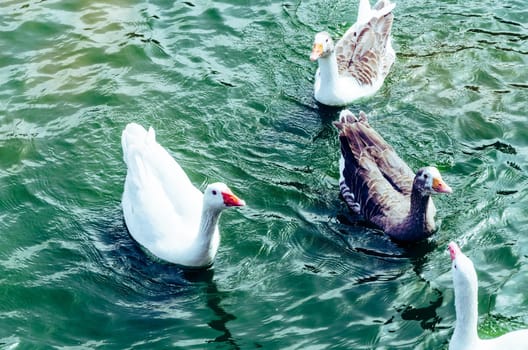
[[378, 184]]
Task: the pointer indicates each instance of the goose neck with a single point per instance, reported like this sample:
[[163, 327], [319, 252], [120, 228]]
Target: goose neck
[[328, 69], [418, 210], [466, 306], [208, 223]]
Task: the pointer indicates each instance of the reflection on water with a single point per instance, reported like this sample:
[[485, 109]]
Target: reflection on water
[[162, 282], [214, 298], [427, 315]]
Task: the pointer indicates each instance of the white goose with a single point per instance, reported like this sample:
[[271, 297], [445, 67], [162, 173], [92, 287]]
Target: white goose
[[358, 63], [465, 336], [163, 211]]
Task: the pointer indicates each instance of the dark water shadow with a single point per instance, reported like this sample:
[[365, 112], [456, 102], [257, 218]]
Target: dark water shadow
[[328, 115], [375, 258], [158, 281], [214, 300], [136, 268], [372, 241], [426, 315]]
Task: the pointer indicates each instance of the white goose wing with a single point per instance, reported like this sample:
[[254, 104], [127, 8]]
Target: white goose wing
[[160, 204], [140, 147]]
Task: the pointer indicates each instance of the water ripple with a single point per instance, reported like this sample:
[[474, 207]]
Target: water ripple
[[228, 88]]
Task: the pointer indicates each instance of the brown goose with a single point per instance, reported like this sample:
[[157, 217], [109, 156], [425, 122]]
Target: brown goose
[[378, 184]]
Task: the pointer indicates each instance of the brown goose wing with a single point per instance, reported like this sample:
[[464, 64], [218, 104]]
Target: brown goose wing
[[393, 168], [382, 191], [380, 202], [360, 52]]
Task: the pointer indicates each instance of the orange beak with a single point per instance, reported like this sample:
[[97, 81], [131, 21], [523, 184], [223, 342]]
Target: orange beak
[[440, 186], [317, 51], [231, 200]]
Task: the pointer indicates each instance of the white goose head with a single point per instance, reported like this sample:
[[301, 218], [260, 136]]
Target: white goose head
[[219, 197], [322, 47], [465, 336], [464, 275]]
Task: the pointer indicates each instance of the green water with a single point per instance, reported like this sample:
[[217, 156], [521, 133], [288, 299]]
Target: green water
[[228, 87]]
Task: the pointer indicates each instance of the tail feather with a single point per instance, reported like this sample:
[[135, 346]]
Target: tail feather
[[349, 197], [364, 10], [346, 192], [383, 7], [151, 136], [380, 9], [134, 135], [133, 140], [149, 163], [348, 184]]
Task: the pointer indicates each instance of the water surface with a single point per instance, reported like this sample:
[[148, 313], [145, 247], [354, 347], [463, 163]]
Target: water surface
[[228, 87]]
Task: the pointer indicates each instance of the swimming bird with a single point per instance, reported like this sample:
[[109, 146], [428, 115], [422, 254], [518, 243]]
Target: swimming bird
[[358, 63], [465, 336], [377, 183], [164, 212]]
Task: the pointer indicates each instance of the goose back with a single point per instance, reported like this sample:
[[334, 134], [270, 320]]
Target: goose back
[[161, 207], [149, 164], [380, 181]]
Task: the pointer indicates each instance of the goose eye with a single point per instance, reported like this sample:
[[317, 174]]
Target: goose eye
[[426, 176], [214, 192]]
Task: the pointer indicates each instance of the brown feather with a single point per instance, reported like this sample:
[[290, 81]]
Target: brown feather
[[381, 182]]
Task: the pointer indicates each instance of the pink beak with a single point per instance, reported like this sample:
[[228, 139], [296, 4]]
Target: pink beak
[[453, 250]]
